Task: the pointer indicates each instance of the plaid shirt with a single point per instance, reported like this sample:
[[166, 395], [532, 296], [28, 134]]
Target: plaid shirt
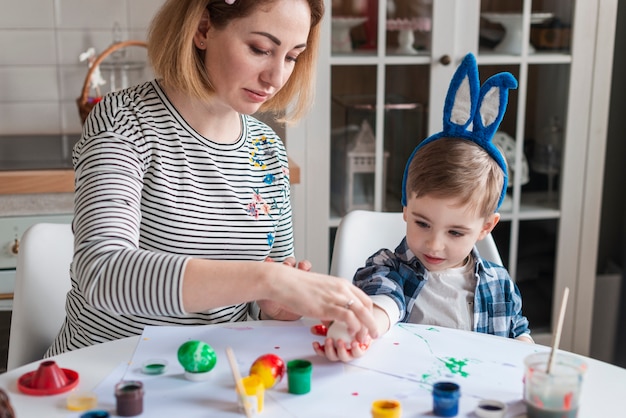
[[401, 276]]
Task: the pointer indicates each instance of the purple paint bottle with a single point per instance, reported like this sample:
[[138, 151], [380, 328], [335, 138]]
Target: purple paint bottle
[[129, 396]]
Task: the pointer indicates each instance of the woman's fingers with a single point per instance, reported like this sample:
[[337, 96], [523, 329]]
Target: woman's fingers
[[291, 262], [305, 265], [357, 313]]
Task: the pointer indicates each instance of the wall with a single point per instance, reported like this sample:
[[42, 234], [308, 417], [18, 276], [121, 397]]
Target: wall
[[41, 77], [612, 229], [612, 247], [40, 43]]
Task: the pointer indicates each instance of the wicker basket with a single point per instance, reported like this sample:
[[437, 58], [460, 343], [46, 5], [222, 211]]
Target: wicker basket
[[86, 103]]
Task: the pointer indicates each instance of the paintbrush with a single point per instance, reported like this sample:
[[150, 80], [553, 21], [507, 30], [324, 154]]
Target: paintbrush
[[559, 328], [240, 389]]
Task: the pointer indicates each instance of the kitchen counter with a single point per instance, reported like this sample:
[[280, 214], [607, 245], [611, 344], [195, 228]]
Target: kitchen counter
[[32, 164], [62, 180], [36, 181]]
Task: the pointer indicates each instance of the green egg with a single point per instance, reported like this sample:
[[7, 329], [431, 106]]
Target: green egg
[[197, 356]]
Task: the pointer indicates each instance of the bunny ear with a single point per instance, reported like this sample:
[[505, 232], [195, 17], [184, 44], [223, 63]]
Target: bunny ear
[[462, 98], [467, 103], [494, 96]]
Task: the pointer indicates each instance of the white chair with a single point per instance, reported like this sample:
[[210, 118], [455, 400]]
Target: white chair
[[361, 233], [41, 284]]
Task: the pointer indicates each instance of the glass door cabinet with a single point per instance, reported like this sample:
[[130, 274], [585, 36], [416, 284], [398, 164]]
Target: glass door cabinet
[[384, 70]]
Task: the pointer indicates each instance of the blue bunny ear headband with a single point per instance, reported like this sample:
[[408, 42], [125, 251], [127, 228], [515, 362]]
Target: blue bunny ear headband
[[469, 103]]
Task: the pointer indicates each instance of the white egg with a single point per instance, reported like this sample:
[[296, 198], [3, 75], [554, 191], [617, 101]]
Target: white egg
[[339, 331]]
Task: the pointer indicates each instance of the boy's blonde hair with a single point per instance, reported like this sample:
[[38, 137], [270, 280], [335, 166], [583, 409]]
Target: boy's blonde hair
[[176, 60], [456, 168]]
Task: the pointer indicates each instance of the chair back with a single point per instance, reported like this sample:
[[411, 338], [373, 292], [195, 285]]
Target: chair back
[[362, 232], [41, 284]]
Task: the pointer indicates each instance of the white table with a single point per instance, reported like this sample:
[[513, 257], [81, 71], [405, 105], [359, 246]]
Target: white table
[[603, 391]]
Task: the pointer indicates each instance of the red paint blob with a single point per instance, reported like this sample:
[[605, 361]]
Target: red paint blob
[[319, 329], [567, 400]]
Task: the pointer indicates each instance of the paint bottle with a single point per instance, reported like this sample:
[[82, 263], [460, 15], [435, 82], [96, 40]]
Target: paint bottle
[[299, 376], [386, 408], [6, 409], [446, 399], [129, 397], [255, 391]]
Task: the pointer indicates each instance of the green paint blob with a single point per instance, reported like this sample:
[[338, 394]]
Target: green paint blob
[[197, 356], [456, 366]]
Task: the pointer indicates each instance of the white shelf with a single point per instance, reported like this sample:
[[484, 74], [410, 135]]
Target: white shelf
[[572, 85], [487, 57]]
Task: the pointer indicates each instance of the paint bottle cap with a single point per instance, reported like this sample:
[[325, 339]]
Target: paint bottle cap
[[47, 379], [490, 408], [96, 414], [82, 401], [154, 366]]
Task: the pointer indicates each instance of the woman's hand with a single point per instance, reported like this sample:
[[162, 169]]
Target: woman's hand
[[209, 284], [272, 310], [321, 296]]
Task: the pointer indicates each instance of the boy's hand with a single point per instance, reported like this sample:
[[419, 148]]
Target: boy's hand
[[339, 350]]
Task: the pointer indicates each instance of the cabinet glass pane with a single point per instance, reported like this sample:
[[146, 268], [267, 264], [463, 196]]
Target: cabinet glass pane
[[408, 27], [354, 27], [501, 28], [553, 34], [536, 270], [353, 149], [535, 266], [546, 115], [406, 121]]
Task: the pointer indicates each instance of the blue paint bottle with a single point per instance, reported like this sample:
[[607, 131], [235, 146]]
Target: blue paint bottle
[[446, 399]]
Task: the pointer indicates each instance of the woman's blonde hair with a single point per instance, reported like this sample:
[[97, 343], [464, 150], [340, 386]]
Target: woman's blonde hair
[[456, 168], [178, 63]]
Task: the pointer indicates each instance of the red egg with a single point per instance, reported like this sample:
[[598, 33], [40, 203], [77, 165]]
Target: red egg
[[270, 368]]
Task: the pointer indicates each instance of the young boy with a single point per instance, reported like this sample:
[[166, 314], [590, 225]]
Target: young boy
[[453, 185]]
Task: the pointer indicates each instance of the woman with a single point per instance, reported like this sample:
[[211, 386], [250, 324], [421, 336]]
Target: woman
[[181, 195]]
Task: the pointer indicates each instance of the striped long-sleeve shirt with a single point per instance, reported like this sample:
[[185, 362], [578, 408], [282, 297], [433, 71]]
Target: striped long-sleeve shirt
[[150, 193]]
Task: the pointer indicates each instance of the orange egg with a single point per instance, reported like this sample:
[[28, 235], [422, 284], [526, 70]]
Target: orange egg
[[270, 368]]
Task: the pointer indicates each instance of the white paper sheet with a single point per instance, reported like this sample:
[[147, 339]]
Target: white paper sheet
[[402, 365]]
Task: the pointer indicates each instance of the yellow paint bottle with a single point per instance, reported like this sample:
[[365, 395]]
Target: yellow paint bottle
[[386, 408], [255, 392]]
